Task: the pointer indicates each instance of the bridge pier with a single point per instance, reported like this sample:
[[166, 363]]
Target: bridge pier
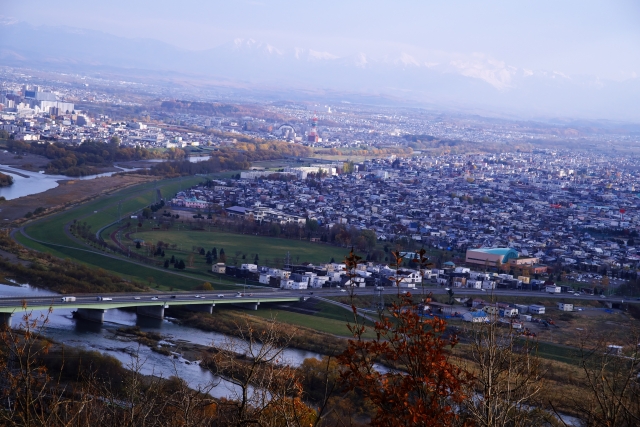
[[91, 314], [248, 305], [200, 308], [5, 320], [155, 311]]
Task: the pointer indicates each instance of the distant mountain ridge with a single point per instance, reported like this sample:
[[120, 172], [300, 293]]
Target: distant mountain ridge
[[475, 82]]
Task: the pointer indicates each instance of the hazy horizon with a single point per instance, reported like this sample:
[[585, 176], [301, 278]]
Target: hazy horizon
[[574, 58]]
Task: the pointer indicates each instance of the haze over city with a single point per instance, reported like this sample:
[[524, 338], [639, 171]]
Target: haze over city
[[572, 59], [294, 214]]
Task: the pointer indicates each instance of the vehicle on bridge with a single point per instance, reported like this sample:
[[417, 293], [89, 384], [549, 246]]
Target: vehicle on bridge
[[68, 299], [104, 299]]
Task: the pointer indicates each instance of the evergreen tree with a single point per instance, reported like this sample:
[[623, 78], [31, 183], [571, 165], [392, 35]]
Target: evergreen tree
[[255, 260], [214, 254], [173, 259], [166, 263]]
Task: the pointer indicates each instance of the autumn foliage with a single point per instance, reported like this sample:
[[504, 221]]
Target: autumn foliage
[[421, 386]]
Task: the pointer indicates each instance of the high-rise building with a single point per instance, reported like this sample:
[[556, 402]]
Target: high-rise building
[[313, 136]]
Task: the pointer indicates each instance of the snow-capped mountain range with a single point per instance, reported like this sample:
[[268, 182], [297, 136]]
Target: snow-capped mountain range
[[448, 80]]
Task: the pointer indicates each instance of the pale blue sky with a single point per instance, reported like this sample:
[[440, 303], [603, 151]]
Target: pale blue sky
[[591, 37]]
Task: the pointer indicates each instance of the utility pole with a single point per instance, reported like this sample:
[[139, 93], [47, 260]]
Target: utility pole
[[288, 260]]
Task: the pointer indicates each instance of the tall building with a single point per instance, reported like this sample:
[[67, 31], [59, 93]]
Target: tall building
[[313, 136]]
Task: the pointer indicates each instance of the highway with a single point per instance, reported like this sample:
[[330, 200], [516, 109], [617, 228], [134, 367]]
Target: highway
[[265, 295]]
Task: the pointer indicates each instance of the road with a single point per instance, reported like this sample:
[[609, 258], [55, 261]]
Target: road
[[254, 294]]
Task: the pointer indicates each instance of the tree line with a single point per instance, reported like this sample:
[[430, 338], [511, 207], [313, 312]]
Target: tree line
[[83, 159]]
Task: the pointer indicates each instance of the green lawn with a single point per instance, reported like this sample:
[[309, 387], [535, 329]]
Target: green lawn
[[236, 245], [51, 229], [322, 324]]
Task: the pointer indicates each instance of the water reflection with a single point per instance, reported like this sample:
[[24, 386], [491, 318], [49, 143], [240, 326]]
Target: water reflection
[[64, 328], [26, 182]]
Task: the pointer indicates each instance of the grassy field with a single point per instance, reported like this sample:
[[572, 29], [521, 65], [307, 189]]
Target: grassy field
[[238, 245], [330, 319], [99, 213]]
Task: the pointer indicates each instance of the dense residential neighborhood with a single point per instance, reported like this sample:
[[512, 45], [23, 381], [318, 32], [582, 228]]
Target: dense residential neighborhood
[[544, 205]]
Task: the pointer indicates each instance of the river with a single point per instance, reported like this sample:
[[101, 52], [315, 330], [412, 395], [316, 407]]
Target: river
[[26, 183], [65, 329]]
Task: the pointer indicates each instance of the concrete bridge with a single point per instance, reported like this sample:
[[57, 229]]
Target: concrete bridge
[[93, 307]]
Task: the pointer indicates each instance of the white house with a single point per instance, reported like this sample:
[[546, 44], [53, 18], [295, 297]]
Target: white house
[[276, 272], [264, 278], [249, 267], [475, 317], [318, 281], [355, 281], [488, 284], [474, 284], [537, 309], [552, 289], [286, 283], [409, 280], [334, 276], [565, 307], [509, 311], [298, 285]]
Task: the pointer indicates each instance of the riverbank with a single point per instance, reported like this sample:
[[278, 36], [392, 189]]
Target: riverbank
[[228, 322], [67, 193], [26, 161]]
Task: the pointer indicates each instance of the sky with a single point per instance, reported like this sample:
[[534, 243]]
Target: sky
[[571, 37]]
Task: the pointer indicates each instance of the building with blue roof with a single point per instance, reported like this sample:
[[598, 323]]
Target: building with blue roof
[[491, 257]]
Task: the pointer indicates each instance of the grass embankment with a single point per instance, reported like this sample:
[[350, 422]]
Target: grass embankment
[[228, 322], [99, 213]]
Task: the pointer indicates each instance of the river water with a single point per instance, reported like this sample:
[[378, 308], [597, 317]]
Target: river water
[[35, 182], [64, 328]]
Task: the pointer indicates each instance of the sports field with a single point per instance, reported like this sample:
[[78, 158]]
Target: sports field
[[236, 246]]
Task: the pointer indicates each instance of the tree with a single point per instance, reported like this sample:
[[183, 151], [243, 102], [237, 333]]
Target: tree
[[256, 259], [611, 380], [138, 246], [206, 286], [214, 254], [507, 381], [223, 256], [27, 383], [166, 263], [424, 388], [173, 259], [266, 392], [370, 239]]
